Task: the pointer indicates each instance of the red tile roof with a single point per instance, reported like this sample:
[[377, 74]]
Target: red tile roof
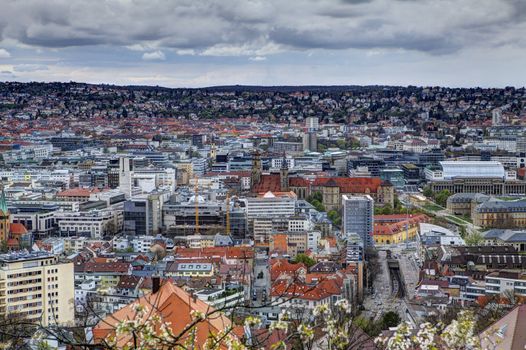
[[117, 267], [209, 252], [320, 291], [18, 229], [282, 268], [268, 183], [298, 182], [350, 184], [174, 306], [392, 224]]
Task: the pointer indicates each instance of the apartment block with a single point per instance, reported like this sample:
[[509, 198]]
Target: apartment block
[[38, 287]]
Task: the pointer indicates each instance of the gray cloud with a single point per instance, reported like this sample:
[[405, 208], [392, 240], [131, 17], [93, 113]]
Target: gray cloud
[[4, 53], [240, 27], [30, 67], [154, 56]]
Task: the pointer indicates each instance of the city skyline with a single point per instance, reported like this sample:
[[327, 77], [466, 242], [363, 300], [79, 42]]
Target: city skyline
[[207, 43]]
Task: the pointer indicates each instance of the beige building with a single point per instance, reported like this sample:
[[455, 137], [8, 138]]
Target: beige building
[[465, 203], [500, 214], [37, 287]]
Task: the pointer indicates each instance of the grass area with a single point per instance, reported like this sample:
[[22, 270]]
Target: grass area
[[432, 207], [456, 220], [467, 218], [509, 198]]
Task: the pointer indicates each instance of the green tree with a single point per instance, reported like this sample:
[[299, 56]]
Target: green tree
[[303, 258], [318, 205], [368, 325], [315, 196], [441, 197], [474, 238], [390, 319], [341, 143], [387, 210], [3, 246], [428, 192], [355, 144]]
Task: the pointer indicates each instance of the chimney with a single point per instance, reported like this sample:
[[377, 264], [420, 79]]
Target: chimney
[[156, 284]]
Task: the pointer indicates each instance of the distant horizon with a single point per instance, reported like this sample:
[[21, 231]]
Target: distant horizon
[[263, 86]]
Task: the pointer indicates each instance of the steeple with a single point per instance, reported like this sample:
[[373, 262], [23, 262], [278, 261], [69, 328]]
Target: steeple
[[284, 175], [256, 169], [3, 202], [5, 221]]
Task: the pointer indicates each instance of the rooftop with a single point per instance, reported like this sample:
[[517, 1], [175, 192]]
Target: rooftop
[[24, 256]]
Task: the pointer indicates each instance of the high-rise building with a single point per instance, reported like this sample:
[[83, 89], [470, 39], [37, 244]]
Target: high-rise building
[[38, 287], [125, 177], [312, 124], [310, 141], [358, 214], [496, 117], [143, 215]]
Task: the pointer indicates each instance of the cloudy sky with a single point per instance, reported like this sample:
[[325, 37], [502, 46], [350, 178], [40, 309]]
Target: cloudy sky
[[191, 43]]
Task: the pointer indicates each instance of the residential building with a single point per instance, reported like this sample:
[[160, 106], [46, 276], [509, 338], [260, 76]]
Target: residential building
[[174, 306], [37, 286], [502, 282]]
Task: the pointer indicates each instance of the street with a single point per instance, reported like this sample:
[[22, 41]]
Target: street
[[261, 283]]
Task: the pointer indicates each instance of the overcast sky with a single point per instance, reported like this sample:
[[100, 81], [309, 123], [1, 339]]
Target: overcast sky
[[180, 43]]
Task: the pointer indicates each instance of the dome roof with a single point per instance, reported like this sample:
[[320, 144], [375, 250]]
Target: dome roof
[[200, 199]]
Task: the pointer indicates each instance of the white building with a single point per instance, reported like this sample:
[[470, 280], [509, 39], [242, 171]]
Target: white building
[[467, 169], [313, 240], [500, 282], [300, 224], [282, 204], [125, 174], [93, 224], [437, 235]]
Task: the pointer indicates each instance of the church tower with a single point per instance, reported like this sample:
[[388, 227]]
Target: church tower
[[284, 175], [256, 170], [5, 221]]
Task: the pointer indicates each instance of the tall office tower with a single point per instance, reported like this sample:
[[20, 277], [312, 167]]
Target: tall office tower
[[310, 141], [38, 287], [143, 215], [310, 138], [312, 124], [125, 177], [358, 214]]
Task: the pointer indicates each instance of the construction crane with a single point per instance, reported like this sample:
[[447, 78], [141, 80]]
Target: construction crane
[[196, 202]]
